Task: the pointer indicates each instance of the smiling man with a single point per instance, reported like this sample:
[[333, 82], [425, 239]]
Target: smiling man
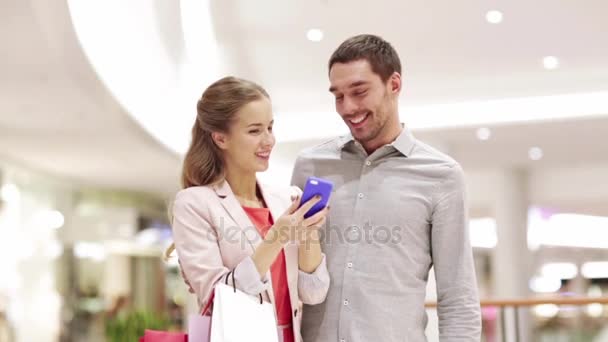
[[398, 209]]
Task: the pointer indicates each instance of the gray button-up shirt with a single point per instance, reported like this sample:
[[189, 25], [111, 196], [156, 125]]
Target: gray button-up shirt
[[394, 214]]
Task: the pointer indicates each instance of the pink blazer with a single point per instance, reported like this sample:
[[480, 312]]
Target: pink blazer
[[213, 236]]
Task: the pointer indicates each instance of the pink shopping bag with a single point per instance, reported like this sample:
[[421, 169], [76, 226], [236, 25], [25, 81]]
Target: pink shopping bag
[[163, 336]]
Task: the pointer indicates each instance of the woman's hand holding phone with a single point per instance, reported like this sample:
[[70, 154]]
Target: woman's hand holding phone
[[292, 226]]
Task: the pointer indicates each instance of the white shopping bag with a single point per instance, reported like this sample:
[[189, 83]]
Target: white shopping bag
[[239, 317]]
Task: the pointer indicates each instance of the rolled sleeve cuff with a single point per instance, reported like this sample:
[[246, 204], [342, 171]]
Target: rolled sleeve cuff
[[247, 278], [313, 286]]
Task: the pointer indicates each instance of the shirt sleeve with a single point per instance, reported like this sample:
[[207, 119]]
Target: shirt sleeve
[[458, 302], [313, 287]]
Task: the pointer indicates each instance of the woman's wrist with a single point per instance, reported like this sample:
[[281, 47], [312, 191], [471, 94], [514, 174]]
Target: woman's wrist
[[308, 236], [276, 236]]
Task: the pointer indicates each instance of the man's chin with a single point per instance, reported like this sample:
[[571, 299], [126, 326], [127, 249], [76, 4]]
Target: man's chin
[[361, 136]]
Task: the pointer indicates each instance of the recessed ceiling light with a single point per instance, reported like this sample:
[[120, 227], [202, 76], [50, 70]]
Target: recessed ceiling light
[[535, 153], [314, 35], [494, 17], [483, 133], [550, 62]]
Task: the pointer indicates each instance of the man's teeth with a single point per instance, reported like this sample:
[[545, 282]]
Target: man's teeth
[[359, 119]]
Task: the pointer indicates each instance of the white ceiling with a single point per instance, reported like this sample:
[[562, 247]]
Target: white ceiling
[[563, 142], [59, 115], [450, 53]]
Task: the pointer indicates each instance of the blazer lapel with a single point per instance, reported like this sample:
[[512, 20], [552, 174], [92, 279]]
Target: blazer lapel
[[278, 205], [238, 214], [235, 210]]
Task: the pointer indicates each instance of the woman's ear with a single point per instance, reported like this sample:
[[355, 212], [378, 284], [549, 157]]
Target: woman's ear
[[220, 139]]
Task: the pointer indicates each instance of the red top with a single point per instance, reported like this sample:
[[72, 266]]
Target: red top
[[262, 219]]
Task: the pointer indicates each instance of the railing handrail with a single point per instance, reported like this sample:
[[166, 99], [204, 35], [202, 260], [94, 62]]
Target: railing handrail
[[574, 300]]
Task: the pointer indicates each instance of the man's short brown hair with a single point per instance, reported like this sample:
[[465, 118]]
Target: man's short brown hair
[[379, 53]]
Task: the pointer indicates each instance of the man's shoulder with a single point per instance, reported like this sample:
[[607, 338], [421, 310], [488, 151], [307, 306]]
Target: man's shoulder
[[431, 154], [327, 149], [441, 164]]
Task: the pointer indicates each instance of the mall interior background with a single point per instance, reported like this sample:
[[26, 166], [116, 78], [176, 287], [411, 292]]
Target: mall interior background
[[97, 101]]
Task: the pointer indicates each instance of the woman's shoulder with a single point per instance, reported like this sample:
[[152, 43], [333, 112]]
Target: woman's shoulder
[[196, 199], [194, 194]]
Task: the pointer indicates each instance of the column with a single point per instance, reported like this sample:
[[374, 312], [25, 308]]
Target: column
[[511, 257]]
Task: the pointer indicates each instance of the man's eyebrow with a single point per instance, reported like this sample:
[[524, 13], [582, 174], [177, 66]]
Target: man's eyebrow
[[352, 85]]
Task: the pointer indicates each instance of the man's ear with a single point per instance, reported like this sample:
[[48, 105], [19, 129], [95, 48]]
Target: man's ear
[[220, 139], [395, 83]]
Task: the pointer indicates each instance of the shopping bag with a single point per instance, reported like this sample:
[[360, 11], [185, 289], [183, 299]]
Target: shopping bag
[[163, 336], [239, 317], [199, 328], [199, 325]]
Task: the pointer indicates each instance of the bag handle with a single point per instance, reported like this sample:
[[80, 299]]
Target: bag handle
[[234, 285], [210, 302]]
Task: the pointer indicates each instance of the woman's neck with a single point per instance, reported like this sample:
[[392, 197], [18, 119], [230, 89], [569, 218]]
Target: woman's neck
[[243, 185]]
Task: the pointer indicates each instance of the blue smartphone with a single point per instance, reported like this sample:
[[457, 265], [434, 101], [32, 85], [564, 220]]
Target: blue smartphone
[[316, 186]]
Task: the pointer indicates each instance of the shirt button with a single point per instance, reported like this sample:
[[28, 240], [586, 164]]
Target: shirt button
[[346, 302], [350, 265], [368, 163], [360, 195]]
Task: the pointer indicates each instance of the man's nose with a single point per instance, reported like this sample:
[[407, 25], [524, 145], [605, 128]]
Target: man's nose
[[350, 107]]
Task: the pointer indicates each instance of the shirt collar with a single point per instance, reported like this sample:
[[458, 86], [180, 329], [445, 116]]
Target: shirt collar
[[404, 143]]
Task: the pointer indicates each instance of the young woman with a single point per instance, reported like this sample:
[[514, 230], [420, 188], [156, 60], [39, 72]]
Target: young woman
[[225, 221]]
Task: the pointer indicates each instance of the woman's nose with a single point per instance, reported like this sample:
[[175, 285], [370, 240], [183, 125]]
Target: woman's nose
[[268, 139]]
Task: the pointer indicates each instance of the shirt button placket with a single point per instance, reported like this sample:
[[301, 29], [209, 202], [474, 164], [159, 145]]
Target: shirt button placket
[[346, 319]]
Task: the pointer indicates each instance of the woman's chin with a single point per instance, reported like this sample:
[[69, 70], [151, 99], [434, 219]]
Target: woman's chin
[[261, 166]]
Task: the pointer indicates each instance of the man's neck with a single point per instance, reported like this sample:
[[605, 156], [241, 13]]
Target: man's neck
[[386, 138]]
